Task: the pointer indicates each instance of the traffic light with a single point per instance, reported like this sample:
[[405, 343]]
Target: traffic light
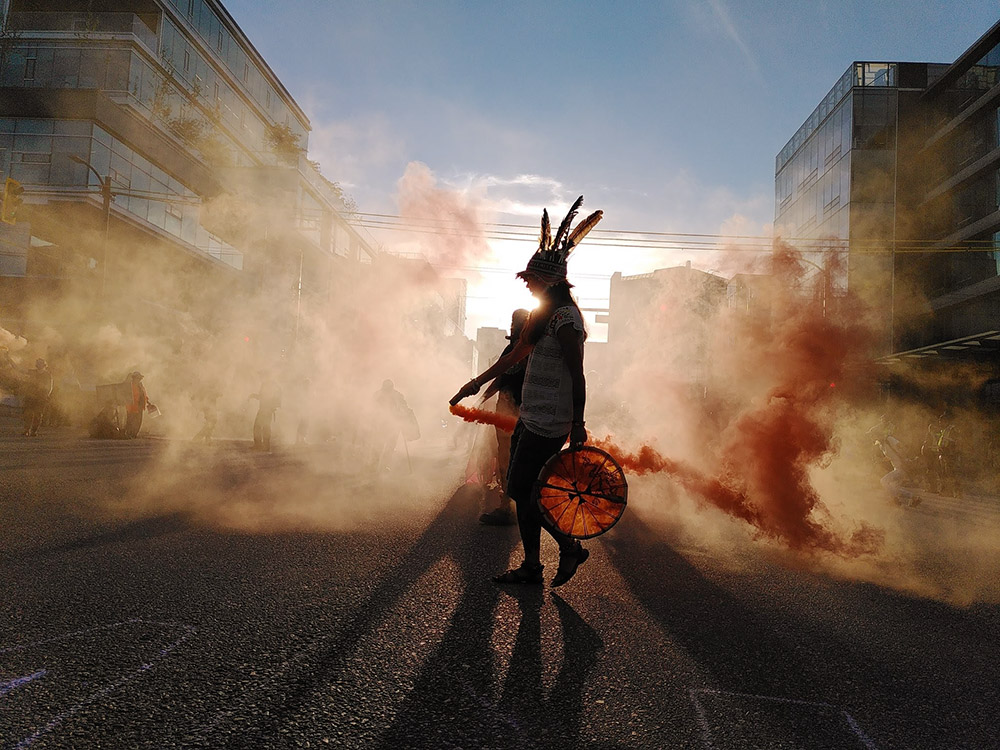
[[12, 200]]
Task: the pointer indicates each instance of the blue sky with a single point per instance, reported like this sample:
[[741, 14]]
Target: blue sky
[[667, 115]]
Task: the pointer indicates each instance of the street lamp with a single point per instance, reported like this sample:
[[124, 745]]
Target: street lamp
[[108, 196]]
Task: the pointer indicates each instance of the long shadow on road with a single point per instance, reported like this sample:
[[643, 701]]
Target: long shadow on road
[[453, 533], [452, 707], [453, 702]]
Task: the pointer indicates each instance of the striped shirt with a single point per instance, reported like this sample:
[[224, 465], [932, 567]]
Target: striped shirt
[[547, 395]]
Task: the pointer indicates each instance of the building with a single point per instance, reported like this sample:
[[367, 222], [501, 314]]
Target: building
[[490, 343], [666, 312], [153, 142], [897, 169]]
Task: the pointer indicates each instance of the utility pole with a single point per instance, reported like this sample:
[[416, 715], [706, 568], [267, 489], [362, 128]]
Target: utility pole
[[107, 196]]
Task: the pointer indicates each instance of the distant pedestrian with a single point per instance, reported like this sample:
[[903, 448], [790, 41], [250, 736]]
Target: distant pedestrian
[[37, 392], [209, 416], [391, 416], [136, 406], [268, 403]]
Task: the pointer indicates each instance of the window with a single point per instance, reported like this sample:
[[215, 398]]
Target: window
[[190, 8], [246, 72], [187, 61], [29, 69]]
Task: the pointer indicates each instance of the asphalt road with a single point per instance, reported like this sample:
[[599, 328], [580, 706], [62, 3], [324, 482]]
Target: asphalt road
[[157, 595]]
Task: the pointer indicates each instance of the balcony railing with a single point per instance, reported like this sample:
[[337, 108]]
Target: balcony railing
[[84, 24]]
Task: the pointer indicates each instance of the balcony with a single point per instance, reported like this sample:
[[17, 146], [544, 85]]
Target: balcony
[[87, 25]]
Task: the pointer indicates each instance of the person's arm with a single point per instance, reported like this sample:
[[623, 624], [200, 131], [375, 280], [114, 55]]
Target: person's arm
[[572, 352], [520, 351]]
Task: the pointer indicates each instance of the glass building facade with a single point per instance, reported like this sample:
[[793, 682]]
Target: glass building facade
[[898, 168], [38, 154], [170, 102], [817, 203]]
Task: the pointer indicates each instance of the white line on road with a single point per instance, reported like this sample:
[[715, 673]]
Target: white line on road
[[707, 732], [107, 689]]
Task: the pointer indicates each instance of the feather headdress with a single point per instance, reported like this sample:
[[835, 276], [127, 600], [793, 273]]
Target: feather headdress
[[549, 261]]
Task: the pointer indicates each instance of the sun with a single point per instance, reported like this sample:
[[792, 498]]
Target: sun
[[492, 298]]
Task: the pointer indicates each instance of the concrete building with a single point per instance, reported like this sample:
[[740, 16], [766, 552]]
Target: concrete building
[[668, 305], [151, 138], [490, 342], [897, 169]]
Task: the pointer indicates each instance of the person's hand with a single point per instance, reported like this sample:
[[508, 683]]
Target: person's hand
[[469, 389], [577, 435]]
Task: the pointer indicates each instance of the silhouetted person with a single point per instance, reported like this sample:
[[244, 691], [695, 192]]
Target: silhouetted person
[[209, 416], [553, 396], [941, 448], [508, 389], [391, 413], [138, 404], [269, 400], [37, 391]]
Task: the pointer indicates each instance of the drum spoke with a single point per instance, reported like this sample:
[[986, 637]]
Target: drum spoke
[[554, 487], [562, 502], [576, 512], [556, 469], [558, 521], [616, 499], [595, 509]]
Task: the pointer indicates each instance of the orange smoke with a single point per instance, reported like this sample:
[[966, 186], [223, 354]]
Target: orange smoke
[[780, 516], [786, 521], [504, 421], [770, 415]]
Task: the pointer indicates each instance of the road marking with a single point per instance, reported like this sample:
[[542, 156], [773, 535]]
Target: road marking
[[107, 689], [707, 732], [6, 687]]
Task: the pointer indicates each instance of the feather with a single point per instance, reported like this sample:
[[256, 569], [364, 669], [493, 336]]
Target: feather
[[545, 240], [583, 229], [564, 227]]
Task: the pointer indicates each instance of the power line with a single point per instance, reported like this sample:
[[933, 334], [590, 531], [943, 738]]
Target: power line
[[666, 241]]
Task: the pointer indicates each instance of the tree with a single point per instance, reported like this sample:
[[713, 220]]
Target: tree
[[283, 142]]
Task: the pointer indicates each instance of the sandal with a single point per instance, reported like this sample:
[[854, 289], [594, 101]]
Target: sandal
[[523, 574], [569, 563]]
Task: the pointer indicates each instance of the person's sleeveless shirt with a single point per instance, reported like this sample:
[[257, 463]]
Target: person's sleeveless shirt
[[547, 394]]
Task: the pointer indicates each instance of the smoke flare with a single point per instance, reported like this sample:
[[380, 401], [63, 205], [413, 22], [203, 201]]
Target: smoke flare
[[470, 414]]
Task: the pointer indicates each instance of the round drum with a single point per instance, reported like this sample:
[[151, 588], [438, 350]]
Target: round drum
[[581, 492]]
